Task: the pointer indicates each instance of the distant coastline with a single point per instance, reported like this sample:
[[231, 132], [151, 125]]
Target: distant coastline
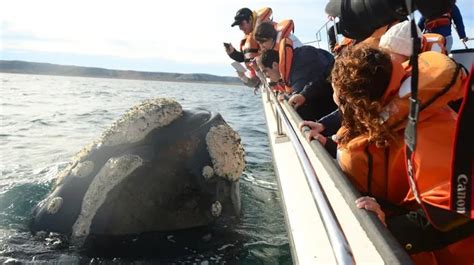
[[23, 67]]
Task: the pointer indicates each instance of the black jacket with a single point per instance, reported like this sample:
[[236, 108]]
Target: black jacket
[[309, 76]]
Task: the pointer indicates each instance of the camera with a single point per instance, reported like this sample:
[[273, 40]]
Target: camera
[[358, 19]]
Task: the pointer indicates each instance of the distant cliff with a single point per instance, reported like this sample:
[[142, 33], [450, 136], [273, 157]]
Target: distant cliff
[[22, 67]]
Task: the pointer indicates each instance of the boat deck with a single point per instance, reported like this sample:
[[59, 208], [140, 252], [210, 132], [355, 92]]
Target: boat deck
[[307, 230]]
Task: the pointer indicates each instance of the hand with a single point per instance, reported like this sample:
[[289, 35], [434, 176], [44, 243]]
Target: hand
[[254, 65], [296, 100], [465, 39], [316, 136], [314, 126], [370, 204], [255, 90], [281, 97], [229, 49]]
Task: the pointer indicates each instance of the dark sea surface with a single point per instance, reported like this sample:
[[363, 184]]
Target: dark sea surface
[[46, 120]]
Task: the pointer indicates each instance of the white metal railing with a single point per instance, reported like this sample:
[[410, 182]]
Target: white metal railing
[[340, 246], [319, 34]]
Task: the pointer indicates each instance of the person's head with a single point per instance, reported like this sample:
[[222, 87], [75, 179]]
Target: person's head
[[243, 18], [268, 62], [398, 42], [360, 77], [266, 35]]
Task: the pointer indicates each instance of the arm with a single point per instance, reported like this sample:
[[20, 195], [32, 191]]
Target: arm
[[415, 233], [421, 23], [457, 19], [253, 81], [233, 53], [237, 56], [317, 89], [316, 132], [331, 122]]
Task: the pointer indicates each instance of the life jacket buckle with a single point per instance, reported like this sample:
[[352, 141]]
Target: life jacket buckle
[[410, 130], [414, 109]]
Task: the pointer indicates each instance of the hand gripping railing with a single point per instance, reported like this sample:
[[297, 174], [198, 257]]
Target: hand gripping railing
[[388, 247], [340, 246]]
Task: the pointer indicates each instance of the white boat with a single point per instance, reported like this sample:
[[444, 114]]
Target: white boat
[[323, 223]]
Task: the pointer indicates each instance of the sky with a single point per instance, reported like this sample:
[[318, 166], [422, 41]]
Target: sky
[[158, 36]]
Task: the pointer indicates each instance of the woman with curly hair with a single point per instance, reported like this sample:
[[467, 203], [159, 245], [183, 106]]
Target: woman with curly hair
[[372, 93]]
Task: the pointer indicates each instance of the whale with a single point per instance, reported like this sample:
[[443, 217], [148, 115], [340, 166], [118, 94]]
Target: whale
[[158, 168]]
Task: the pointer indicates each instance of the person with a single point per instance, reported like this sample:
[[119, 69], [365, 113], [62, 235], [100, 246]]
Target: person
[[271, 35], [248, 20], [398, 43], [307, 79], [442, 25], [372, 92]]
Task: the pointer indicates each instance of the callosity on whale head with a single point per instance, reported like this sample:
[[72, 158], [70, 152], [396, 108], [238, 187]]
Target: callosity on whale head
[[159, 168]]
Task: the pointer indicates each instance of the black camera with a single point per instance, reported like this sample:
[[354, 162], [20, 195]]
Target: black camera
[[358, 19]]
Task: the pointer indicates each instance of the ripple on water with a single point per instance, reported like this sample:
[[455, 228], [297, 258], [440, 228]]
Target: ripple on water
[[39, 146]]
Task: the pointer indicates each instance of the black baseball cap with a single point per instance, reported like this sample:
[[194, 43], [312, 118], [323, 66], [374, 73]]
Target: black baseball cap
[[241, 15]]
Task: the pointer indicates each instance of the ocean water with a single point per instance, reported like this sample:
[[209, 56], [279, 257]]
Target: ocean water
[[46, 120]]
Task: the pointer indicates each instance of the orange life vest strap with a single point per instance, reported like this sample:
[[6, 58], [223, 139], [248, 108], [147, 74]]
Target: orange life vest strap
[[441, 21], [284, 29], [286, 57], [263, 14]]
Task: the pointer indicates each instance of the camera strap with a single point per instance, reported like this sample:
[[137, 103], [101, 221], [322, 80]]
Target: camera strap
[[442, 219]]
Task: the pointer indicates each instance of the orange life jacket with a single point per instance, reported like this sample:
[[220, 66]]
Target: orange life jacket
[[284, 29], [440, 21], [284, 47], [248, 45], [285, 52], [381, 171], [344, 43], [433, 42], [374, 39]]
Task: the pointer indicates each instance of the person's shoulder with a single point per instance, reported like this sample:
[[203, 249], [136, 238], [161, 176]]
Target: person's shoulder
[[309, 48], [311, 53]]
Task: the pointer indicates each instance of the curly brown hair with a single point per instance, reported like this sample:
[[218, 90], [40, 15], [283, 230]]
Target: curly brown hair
[[360, 77]]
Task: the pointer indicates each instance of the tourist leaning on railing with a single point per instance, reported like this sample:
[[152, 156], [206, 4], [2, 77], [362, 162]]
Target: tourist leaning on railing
[[397, 41], [374, 106], [248, 20], [307, 79]]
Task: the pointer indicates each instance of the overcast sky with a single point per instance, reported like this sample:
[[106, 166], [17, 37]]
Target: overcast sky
[[166, 36]]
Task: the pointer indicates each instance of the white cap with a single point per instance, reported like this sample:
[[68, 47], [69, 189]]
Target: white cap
[[398, 39]]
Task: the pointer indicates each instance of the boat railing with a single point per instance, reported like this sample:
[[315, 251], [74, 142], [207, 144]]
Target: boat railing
[[340, 246], [387, 246], [322, 33]]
